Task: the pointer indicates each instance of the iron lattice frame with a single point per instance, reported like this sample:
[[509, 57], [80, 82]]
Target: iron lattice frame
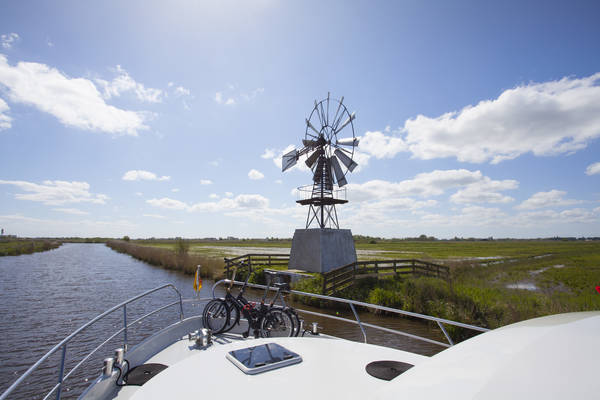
[[322, 202]]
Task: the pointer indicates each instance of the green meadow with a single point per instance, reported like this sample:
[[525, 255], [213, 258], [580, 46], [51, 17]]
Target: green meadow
[[493, 282], [26, 246]]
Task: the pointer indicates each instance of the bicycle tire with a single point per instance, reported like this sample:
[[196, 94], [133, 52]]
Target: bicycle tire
[[295, 319], [215, 315], [234, 316], [276, 323]]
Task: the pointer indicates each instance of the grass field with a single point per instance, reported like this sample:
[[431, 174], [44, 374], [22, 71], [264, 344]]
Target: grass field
[[492, 283], [26, 246]]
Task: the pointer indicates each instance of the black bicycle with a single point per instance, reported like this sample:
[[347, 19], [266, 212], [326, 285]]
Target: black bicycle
[[221, 315]]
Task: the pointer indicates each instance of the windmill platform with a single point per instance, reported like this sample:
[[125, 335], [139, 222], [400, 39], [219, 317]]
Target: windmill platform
[[321, 249]]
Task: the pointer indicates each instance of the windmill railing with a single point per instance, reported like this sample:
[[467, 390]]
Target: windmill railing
[[347, 275], [306, 192], [252, 260]]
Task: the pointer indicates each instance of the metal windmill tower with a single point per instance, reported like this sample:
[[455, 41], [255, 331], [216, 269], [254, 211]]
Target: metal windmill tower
[[328, 146], [325, 150]]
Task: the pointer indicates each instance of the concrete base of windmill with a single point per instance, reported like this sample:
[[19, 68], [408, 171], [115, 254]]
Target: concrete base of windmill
[[321, 250]]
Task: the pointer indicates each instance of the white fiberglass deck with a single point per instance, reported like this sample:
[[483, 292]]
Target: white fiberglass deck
[[329, 368]]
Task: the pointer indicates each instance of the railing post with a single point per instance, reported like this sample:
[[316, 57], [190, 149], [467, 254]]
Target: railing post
[[125, 327], [359, 322], [61, 372], [413, 267], [445, 333]]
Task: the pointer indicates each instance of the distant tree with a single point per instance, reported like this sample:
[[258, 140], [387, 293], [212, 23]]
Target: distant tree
[[181, 246], [126, 238]]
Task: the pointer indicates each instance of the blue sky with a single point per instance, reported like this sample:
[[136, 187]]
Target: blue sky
[[150, 118]]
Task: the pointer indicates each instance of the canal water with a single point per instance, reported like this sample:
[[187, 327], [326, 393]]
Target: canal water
[[46, 296]]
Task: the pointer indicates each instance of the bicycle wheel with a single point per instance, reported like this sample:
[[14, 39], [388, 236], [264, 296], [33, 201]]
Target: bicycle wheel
[[234, 316], [215, 315], [276, 323], [295, 319]]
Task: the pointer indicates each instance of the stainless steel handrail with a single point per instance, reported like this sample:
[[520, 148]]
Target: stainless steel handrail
[[63, 344], [352, 303]]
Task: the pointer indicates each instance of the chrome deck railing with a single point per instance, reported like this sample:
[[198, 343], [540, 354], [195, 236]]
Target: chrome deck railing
[[62, 346], [352, 303]]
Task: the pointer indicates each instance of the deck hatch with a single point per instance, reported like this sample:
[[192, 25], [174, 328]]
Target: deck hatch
[[262, 358], [387, 370]]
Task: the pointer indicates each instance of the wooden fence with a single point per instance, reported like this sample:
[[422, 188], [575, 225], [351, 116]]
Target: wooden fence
[[346, 276], [248, 260]]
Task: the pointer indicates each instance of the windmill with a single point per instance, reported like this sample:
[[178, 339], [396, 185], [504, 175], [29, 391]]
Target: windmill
[[328, 145], [328, 149]]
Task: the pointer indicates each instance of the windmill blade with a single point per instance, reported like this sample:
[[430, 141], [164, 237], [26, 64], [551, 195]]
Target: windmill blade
[[347, 142], [289, 160], [335, 117], [313, 158], [309, 143], [346, 122], [339, 174], [328, 170], [347, 161], [312, 127]]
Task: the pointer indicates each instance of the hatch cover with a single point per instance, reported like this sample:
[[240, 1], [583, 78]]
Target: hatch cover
[[387, 370], [143, 373]]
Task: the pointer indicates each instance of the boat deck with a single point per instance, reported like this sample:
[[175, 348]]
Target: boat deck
[[329, 366]]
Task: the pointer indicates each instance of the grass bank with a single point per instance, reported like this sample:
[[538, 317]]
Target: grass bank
[[26, 246], [488, 278], [176, 257], [491, 285]]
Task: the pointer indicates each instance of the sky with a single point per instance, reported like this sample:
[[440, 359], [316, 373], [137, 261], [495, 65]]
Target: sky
[[165, 119]]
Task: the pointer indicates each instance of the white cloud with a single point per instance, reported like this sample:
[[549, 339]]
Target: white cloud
[[73, 101], [240, 202], [252, 95], [73, 211], [380, 146], [27, 226], [268, 154], [553, 198], [57, 192], [232, 97], [548, 217], [123, 82], [139, 193], [167, 203], [592, 169], [229, 101], [485, 191], [175, 190], [205, 182], [424, 185], [278, 181], [545, 119], [7, 40], [213, 196], [141, 175], [5, 120], [255, 175], [181, 91], [157, 216], [228, 194]]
